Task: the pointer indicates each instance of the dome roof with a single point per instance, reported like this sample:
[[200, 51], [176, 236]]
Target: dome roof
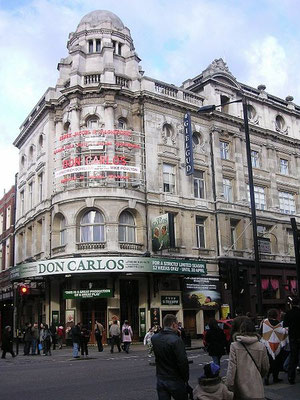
[[96, 18]]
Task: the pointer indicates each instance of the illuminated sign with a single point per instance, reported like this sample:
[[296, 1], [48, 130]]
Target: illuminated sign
[[188, 144], [87, 294]]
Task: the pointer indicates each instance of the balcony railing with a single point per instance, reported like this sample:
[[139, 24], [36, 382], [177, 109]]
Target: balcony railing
[[165, 89], [131, 246], [93, 78], [91, 246], [122, 81]]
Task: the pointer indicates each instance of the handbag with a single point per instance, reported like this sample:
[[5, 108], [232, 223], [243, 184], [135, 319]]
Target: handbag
[[40, 346], [245, 347]]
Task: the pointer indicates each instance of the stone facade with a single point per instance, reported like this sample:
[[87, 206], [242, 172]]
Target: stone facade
[[73, 204]]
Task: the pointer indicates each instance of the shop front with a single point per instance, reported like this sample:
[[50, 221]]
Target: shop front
[[140, 289]]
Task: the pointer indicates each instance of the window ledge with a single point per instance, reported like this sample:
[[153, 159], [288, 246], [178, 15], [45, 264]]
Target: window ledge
[[59, 249], [131, 246]]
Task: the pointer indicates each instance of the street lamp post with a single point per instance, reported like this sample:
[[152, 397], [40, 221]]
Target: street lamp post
[[210, 108]]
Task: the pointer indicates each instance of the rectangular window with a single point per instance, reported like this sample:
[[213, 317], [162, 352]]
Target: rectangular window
[[199, 184], [284, 166], [40, 183], [287, 203], [169, 178], [259, 196], [227, 190], [30, 194], [22, 202], [91, 46], [8, 218], [7, 254], [233, 235], [1, 224], [255, 159], [98, 45], [224, 150], [200, 232]]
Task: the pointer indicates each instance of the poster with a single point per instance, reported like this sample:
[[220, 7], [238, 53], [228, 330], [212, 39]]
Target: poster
[[202, 291], [155, 317], [161, 233], [142, 322]]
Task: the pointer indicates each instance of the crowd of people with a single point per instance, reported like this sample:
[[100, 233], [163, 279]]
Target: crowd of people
[[254, 354]]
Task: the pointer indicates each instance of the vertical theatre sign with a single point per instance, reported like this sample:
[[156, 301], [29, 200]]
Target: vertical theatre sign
[[188, 144]]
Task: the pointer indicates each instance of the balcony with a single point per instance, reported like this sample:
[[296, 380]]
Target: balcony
[[165, 89], [92, 78], [131, 246], [123, 82], [91, 246]]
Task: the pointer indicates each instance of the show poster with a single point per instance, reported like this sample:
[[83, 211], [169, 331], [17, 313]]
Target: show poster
[[162, 232], [155, 317], [202, 291]]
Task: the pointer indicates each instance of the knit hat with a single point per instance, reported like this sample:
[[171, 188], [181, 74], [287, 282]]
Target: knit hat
[[211, 370]]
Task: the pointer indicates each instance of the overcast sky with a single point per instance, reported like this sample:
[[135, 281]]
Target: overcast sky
[[176, 40]]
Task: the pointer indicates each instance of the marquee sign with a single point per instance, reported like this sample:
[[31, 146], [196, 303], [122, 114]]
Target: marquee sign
[[87, 294], [108, 264], [188, 144], [97, 156]]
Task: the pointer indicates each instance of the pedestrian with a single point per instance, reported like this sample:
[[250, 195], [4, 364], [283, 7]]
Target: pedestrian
[[236, 324], [148, 341], [99, 329], [172, 367], [292, 321], [210, 385], [248, 364], [35, 338], [274, 337], [60, 336], [181, 332], [84, 339], [7, 342], [216, 341], [75, 334], [114, 332], [47, 340], [27, 339], [127, 336], [53, 332], [41, 342]]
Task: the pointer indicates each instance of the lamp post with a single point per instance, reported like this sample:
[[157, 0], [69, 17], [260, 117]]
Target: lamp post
[[208, 109]]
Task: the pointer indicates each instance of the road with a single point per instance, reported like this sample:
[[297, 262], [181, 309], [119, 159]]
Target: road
[[101, 376]]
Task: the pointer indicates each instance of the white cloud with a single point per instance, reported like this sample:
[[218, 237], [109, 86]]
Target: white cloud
[[268, 64]]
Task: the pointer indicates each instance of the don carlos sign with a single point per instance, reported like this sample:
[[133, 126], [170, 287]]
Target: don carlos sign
[[108, 264]]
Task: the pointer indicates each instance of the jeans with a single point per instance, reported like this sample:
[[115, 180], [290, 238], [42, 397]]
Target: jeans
[[168, 389], [115, 340], [33, 346], [75, 349], [126, 346], [294, 358], [216, 360], [99, 342]]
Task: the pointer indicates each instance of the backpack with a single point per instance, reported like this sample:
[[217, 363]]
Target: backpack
[[126, 331]]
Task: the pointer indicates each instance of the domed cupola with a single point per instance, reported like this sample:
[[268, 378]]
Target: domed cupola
[[100, 18]]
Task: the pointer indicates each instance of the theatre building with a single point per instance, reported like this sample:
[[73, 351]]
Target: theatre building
[[117, 214]]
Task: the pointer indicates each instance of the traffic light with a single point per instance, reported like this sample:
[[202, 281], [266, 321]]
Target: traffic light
[[23, 290]]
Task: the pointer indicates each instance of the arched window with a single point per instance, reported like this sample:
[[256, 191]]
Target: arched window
[[92, 227], [62, 231], [67, 127], [280, 123], [127, 228], [92, 122], [251, 112], [41, 142], [122, 123], [31, 153], [23, 160], [167, 130]]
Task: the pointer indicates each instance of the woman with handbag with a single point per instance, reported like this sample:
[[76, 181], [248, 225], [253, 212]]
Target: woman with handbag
[[248, 364]]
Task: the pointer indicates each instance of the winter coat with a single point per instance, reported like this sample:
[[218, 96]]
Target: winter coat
[[114, 330], [7, 343], [128, 337], [84, 335], [216, 341], [212, 389], [147, 338], [243, 377], [75, 332], [28, 334], [292, 321], [35, 333], [170, 356], [99, 329], [41, 334]]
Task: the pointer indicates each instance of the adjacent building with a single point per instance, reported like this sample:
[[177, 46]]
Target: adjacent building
[[110, 220]]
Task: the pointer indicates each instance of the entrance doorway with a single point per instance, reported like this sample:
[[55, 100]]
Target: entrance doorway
[[92, 310], [189, 317], [129, 304], [165, 312]]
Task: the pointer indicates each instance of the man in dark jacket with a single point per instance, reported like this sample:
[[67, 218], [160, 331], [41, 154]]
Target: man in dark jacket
[[172, 368], [292, 321], [27, 339]]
